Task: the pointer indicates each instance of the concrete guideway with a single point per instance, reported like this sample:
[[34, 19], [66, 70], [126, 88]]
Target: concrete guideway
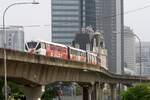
[[43, 70], [35, 71]]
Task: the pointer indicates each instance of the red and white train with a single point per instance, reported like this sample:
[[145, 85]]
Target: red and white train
[[60, 51]]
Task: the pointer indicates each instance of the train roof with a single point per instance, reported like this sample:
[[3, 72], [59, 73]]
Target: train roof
[[77, 49], [92, 53], [62, 45], [57, 44]]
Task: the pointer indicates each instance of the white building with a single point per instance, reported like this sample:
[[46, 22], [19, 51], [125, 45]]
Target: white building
[[129, 49], [14, 38]]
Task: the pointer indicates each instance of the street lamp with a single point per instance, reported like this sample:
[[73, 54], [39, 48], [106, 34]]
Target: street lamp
[[4, 31], [139, 55]]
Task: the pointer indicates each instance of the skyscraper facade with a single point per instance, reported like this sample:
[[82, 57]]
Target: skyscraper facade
[[109, 21], [66, 20], [129, 49], [70, 16]]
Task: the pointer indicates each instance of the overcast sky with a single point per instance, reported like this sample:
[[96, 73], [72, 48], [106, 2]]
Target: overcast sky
[[26, 15], [139, 21]]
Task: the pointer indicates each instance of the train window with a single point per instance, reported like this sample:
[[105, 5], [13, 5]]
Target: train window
[[26, 47], [39, 46], [32, 44], [48, 46], [82, 54], [79, 53], [43, 45], [52, 47], [72, 51]]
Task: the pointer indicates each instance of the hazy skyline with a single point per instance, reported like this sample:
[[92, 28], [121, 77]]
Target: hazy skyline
[[26, 15], [138, 21]]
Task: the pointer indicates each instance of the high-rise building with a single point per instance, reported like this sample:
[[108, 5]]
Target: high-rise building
[[109, 21], [14, 38], [145, 58], [69, 16], [129, 49], [65, 20]]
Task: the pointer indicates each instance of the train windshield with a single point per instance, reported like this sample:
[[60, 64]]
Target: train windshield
[[32, 44]]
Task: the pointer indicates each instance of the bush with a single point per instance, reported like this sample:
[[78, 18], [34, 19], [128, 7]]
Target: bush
[[16, 93], [139, 92]]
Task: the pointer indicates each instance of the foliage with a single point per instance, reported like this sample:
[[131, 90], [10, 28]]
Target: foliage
[[139, 92], [78, 90], [16, 93], [49, 93], [1, 86]]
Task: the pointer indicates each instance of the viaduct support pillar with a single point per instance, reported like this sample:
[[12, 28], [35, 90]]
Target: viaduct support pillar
[[33, 93], [90, 90], [113, 91], [93, 92], [87, 91], [97, 93], [100, 91]]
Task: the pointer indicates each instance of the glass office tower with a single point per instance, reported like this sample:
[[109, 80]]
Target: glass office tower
[[65, 20]]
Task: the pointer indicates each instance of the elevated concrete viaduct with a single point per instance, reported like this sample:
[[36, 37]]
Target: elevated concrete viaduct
[[36, 71]]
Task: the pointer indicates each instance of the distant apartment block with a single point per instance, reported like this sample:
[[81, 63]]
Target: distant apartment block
[[145, 56], [14, 38], [129, 49]]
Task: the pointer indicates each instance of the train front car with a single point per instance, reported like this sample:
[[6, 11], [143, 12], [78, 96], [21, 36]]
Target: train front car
[[35, 47], [47, 48], [77, 54]]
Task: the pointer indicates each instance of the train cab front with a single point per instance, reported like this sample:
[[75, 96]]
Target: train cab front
[[30, 47]]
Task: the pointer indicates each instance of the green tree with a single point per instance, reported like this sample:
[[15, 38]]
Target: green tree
[[16, 93], [49, 93], [139, 92], [1, 86]]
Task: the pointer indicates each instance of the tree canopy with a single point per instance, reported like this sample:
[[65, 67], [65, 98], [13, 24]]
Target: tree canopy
[[138, 92], [16, 93]]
